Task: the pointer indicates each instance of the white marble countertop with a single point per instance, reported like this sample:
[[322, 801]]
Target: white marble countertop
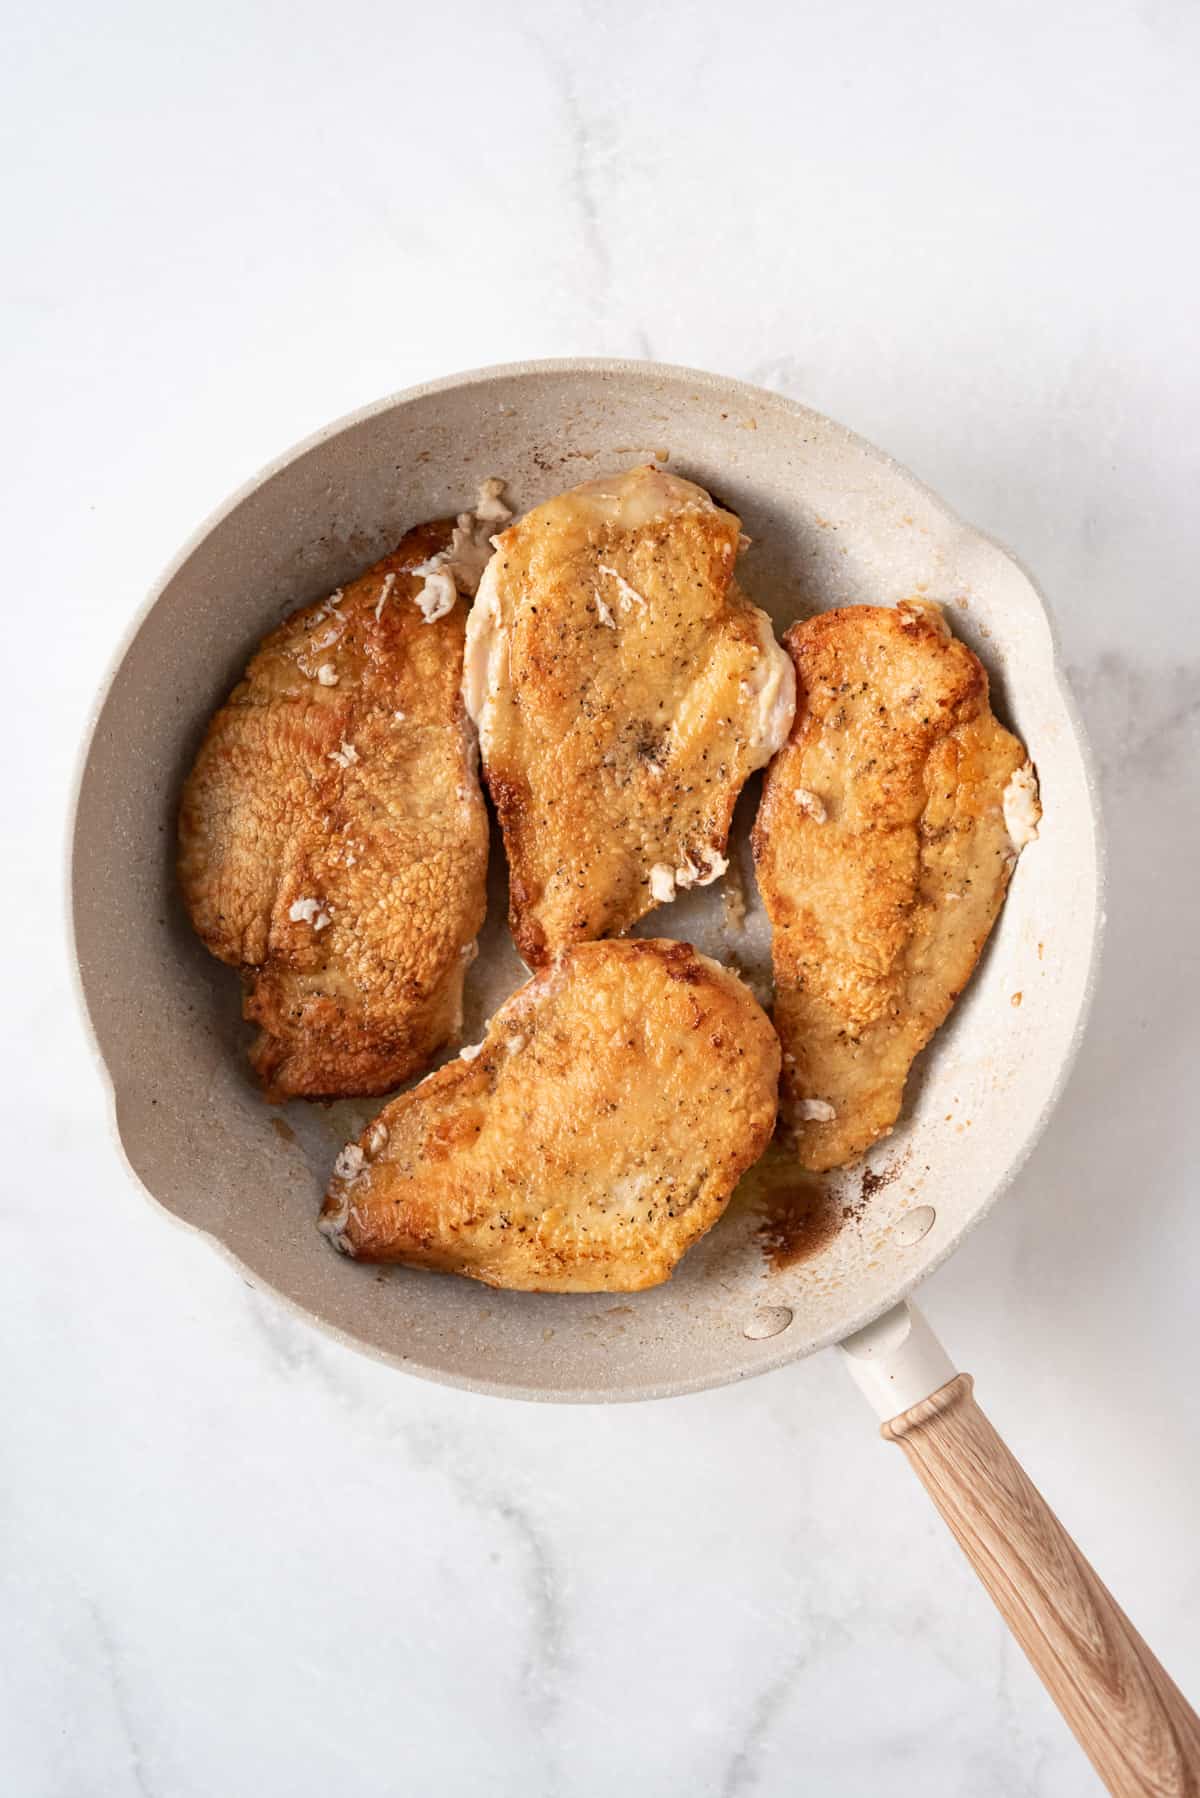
[[238, 1558]]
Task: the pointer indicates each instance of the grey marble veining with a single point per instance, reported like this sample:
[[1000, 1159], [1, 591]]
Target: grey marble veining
[[235, 1556]]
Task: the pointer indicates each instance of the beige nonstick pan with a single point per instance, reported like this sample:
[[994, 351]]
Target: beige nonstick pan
[[832, 522]]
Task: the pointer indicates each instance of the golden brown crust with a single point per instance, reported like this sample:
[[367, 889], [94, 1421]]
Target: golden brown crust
[[883, 859], [599, 1131], [625, 716], [333, 837]]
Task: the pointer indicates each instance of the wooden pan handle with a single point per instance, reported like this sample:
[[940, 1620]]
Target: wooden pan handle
[[1131, 1719]]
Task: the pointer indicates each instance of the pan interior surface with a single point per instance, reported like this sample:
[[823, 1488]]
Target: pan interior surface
[[832, 522]]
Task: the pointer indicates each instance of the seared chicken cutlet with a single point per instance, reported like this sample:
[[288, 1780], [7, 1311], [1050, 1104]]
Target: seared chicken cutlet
[[888, 829], [333, 836], [624, 689], [593, 1136]]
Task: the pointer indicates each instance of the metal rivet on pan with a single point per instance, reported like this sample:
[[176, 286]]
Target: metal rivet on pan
[[915, 1224], [768, 1323]]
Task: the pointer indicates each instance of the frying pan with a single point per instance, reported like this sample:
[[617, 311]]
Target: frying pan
[[833, 521]]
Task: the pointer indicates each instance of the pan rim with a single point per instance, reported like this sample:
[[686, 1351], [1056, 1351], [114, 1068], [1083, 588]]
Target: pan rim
[[776, 1353]]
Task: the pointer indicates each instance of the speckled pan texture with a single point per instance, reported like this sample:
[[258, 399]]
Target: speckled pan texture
[[833, 522]]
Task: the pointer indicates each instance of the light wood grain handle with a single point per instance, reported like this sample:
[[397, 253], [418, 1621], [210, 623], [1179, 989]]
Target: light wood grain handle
[[1135, 1724]]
